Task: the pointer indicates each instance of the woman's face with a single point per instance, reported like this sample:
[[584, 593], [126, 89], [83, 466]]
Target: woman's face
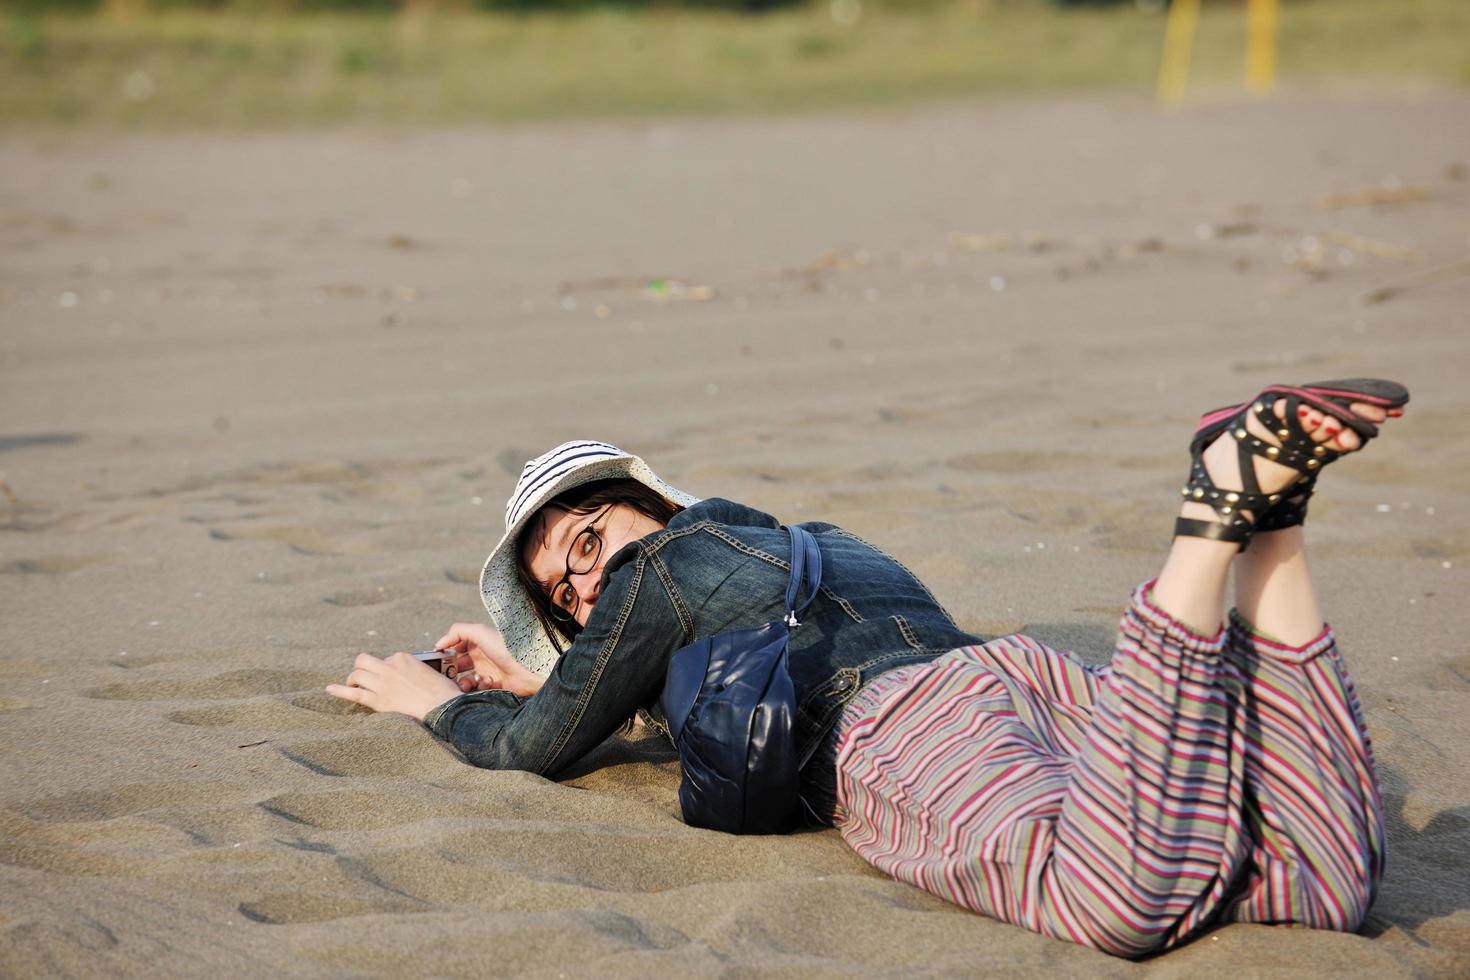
[[566, 553]]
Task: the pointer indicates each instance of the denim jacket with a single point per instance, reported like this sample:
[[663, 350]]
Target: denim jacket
[[717, 566]]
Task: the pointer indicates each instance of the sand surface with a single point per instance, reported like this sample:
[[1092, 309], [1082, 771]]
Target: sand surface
[[261, 398]]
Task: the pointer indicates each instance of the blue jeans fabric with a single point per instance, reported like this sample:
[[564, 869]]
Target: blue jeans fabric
[[717, 566]]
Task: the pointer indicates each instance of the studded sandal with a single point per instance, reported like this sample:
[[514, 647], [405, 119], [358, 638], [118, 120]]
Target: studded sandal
[[1287, 507]]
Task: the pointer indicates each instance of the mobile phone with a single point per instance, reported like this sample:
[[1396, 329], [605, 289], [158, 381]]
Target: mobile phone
[[440, 660]]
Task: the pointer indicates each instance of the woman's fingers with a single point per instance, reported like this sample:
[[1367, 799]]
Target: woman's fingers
[[475, 681], [467, 673], [461, 633], [454, 649], [362, 680], [484, 672], [482, 661], [367, 679], [399, 683], [366, 661]]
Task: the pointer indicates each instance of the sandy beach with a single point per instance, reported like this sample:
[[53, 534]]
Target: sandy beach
[[262, 397]]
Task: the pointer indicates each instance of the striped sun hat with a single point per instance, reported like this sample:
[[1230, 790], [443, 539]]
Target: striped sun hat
[[569, 465]]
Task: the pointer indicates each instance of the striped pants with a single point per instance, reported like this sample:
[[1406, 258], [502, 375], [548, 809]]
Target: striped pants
[[1191, 781]]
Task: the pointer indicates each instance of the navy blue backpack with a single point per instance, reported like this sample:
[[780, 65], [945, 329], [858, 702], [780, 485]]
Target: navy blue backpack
[[731, 707]]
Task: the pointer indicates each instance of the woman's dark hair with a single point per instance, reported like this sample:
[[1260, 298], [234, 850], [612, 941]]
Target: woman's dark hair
[[586, 498]]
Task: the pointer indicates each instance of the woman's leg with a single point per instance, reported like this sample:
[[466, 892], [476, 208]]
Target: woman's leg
[[950, 778], [1129, 845], [1159, 824], [1119, 844], [1312, 801], [1273, 588], [1219, 766], [981, 778]]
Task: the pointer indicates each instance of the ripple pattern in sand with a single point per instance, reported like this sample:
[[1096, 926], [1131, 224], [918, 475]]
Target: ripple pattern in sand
[[362, 809], [228, 686]]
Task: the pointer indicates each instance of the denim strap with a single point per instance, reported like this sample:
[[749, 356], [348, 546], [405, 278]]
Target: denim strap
[[806, 572]]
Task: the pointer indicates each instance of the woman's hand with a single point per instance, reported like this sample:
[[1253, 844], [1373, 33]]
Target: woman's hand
[[399, 683], [483, 663]]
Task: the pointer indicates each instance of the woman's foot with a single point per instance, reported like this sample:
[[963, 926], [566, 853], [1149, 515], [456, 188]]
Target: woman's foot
[[1285, 456]]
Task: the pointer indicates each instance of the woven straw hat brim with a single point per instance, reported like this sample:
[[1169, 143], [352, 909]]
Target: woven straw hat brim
[[500, 587]]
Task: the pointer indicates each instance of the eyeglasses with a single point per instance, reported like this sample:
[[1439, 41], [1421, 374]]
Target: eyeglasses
[[582, 557]]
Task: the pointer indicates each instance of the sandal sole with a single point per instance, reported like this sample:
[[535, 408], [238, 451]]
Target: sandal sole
[[1330, 397]]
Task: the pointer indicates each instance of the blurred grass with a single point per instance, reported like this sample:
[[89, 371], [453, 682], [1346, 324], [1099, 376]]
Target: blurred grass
[[241, 69]]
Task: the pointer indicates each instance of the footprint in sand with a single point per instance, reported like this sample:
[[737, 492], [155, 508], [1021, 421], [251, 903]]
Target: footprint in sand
[[230, 686], [350, 599], [372, 756], [54, 565], [286, 908], [26, 669], [266, 715], [75, 861], [325, 704], [122, 801], [349, 810], [1448, 675], [300, 539]]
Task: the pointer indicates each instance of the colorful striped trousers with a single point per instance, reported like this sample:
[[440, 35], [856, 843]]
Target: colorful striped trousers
[[1189, 782]]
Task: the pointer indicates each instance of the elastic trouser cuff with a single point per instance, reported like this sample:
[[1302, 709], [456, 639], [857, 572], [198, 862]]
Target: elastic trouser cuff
[[1247, 637], [1179, 635]]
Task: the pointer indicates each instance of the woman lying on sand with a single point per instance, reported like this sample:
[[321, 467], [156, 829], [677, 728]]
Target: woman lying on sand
[[1216, 770]]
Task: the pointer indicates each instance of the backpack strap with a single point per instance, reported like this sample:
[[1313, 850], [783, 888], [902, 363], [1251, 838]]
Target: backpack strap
[[806, 572]]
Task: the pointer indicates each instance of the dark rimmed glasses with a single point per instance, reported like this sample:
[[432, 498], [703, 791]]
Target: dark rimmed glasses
[[582, 557]]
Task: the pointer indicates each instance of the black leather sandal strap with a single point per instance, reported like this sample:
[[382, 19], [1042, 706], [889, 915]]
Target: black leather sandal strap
[[1295, 449], [1188, 527]]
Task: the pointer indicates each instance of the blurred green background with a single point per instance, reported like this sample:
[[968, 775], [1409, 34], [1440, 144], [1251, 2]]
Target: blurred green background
[[283, 63]]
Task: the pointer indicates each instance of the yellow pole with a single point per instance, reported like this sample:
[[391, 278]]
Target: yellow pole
[[1178, 44], [1260, 51]]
